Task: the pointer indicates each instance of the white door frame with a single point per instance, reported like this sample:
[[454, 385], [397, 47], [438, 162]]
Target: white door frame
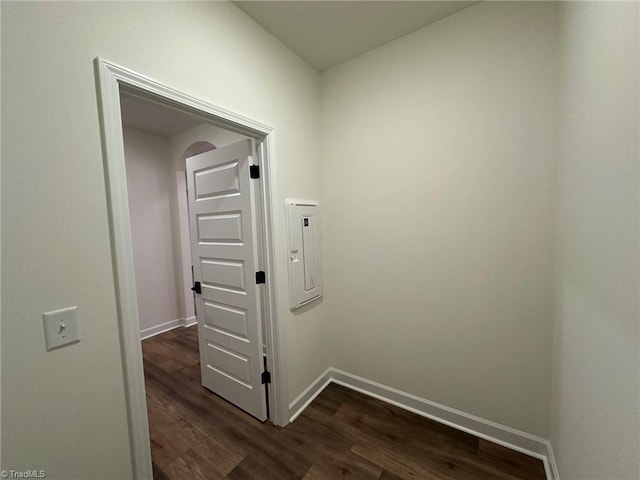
[[111, 79]]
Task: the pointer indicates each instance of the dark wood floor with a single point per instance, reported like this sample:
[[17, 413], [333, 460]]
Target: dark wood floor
[[342, 434]]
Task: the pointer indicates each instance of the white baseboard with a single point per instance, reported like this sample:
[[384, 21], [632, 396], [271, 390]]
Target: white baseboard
[[166, 326], [550, 465], [303, 400], [494, 432]]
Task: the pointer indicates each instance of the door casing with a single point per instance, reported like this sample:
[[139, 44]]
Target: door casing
[[111, 81]]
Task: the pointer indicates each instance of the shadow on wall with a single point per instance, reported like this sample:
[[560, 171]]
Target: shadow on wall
[[196, 149]]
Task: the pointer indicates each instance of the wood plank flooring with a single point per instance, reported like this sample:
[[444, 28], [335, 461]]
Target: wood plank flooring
[[342, 434]]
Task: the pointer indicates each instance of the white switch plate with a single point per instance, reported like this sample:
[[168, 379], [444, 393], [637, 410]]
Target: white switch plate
[[61, 327]]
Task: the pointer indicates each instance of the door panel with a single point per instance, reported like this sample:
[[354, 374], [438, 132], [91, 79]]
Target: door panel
[[223, 274], [222, 221], [226, 320], [221, 229]]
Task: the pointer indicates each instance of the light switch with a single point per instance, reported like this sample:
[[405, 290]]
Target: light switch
[[61, 327]]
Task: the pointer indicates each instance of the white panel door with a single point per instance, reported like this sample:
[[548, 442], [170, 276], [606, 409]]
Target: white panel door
[[222, 223]]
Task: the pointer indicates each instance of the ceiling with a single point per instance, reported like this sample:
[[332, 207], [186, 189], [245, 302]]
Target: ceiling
[[155, 118], [326, 33], [323, 33]]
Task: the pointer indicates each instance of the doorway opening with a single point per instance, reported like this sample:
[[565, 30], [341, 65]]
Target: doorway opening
[[128, 100]]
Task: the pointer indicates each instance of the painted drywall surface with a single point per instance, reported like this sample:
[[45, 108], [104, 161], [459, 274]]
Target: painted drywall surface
[[0, 265], [438, 238], [219, 137], [65, 410], [595, 424], [150, 183], [185, 277]]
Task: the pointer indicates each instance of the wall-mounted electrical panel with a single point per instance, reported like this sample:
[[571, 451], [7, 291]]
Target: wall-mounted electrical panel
[[305, 256]]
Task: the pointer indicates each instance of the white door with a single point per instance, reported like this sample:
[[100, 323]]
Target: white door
[[222, 221]]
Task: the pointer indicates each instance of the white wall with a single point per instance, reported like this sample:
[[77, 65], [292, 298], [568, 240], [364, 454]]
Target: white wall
[[64, 411], [150, 183], [438, 238], [205, 132], [595, 425]]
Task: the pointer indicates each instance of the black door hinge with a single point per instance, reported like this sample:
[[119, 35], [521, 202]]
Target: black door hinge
[[266, 377], [261, 277], [254, 171], [197, 287]]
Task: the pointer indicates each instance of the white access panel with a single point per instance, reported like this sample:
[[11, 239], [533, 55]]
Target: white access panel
[[305, 256]]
